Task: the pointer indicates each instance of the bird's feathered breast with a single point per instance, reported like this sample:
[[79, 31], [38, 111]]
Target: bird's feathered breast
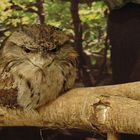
[[41, 64]]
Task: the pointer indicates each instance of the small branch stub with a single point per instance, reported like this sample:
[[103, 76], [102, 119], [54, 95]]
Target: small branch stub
[[113, 136]]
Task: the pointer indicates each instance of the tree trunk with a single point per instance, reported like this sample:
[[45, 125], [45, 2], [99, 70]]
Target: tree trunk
[[125, 43], [41, 12], [84, 74]]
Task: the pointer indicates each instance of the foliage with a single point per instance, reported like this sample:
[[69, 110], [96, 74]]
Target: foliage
[[58, 14], [94, 22], [10, 17]]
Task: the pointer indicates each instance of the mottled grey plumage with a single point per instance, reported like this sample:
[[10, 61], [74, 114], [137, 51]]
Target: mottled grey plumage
[[38, 63]]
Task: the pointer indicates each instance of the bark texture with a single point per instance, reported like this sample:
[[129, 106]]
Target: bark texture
[[113, 108]]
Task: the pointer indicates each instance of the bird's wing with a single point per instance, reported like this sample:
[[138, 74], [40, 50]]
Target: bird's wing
[[8, 92]]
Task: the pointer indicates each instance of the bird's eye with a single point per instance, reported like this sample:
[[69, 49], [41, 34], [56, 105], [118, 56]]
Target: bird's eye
[[54, 50], [27, 50]]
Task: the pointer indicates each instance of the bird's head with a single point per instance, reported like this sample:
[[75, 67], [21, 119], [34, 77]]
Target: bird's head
[[38, 45]]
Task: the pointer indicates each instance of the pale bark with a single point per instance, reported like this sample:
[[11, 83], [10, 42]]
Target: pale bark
[[113, 136], [113, 108]]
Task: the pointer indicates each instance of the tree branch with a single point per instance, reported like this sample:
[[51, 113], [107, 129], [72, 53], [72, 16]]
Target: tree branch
[[104, 109]]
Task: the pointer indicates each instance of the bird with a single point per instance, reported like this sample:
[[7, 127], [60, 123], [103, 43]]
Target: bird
[[37, 64]]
